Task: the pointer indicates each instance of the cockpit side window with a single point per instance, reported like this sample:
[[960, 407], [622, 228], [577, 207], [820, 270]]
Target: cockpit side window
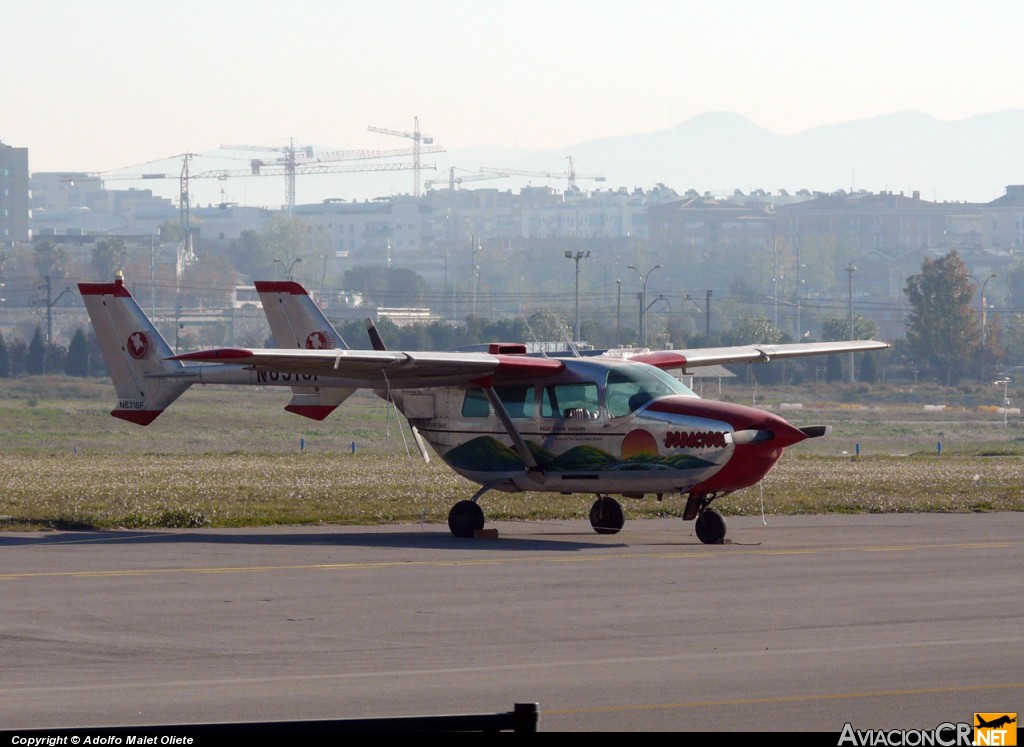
[[630, 387]]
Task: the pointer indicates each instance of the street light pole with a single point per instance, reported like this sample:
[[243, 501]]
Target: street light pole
[[643, 300], [984, 313], [294, 262], [576, 258]]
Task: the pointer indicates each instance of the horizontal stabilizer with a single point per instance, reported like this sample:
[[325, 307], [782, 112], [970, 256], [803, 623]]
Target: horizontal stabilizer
[[317, 403]]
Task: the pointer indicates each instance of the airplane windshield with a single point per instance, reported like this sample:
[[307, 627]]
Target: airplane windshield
[[629, 387]]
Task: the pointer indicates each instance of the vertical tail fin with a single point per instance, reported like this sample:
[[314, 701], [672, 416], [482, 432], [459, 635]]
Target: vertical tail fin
[[294, 318], [136, 353], [297, 322]]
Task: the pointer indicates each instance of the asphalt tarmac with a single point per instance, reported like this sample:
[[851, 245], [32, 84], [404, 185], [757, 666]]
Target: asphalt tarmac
[[806, 624]]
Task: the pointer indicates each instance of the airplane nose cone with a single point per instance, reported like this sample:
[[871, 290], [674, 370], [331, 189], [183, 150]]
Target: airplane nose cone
[[759, 438], [749, 425], [784, 434]]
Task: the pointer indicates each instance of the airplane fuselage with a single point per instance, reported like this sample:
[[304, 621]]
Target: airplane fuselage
[[600, 426]]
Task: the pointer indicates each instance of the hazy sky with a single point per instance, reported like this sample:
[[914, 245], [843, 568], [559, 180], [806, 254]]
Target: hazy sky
[[98, 85]]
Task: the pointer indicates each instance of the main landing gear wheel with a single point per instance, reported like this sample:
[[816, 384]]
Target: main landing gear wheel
[[606, 516], [465, 518], [710, 527]]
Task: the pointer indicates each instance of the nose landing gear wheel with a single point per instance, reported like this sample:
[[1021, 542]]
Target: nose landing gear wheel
[[710, 527], [606, 516], [465, 518]]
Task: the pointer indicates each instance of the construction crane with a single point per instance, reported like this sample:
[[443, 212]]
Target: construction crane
[[304, 160], [454, 181], [418, 141], [570, 175], [276, 169]]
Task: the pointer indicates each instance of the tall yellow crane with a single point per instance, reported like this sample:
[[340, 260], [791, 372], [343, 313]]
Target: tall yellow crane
[[418, 141]]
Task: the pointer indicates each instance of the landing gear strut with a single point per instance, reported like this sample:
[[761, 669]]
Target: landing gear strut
[[606, 515], [710, 527], [465, 518]]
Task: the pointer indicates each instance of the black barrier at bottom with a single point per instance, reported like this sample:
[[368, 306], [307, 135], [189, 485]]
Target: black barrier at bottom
[[523, 719]]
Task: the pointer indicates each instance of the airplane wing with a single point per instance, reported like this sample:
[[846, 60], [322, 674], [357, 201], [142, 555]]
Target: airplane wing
[[382, 369], [670, 359]]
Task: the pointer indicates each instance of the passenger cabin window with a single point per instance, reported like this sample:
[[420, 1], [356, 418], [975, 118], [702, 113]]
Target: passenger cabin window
[[571, 401], [475, 404], [518, 401]]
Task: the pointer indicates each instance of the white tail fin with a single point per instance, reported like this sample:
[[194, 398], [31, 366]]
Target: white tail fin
[[135, 352], [297, 322]]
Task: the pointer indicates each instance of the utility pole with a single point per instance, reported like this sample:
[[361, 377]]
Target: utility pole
[[707, 317], [576, 258], [476, 270], [850, 269], [50, 303], [618, 312]]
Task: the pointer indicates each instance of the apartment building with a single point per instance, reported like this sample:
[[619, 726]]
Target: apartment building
[[14, 195]]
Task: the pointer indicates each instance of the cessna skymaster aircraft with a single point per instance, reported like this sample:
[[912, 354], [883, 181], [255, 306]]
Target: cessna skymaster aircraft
[[610, 424]]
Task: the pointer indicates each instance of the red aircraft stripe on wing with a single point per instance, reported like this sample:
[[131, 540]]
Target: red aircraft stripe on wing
[[521, 367], [661, 359]]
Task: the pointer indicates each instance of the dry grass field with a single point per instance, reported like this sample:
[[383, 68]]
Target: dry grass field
[[233, 457]]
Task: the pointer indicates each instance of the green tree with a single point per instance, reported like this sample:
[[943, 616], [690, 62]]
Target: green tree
[[386, 286], [35, 359], [76, 363], [1015, 283], [1014, 338], [835, 328], [252, 256], [548, 326], [5, 363], [108, 256], [833, 368], [49, 258], [752, 329], [942, 330]]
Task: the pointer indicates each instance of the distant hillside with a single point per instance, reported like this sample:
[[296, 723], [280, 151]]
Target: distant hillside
[[972, 159]]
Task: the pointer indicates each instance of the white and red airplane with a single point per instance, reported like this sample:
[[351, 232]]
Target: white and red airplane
[[610, 424]]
